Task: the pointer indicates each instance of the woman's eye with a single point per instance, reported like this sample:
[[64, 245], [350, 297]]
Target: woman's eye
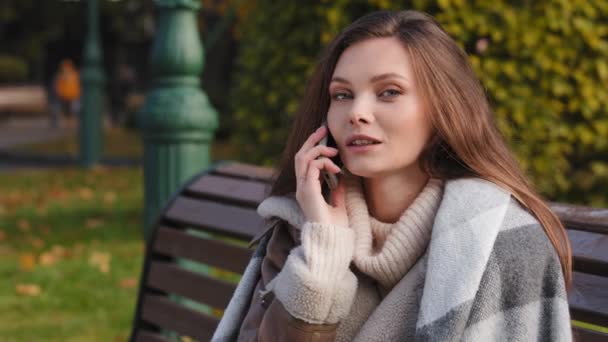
[[390, 93], [340, 96]]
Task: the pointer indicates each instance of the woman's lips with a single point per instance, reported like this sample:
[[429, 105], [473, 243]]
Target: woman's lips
[[362, 148]]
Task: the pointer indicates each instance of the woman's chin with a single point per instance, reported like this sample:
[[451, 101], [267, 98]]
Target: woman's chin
[[361, 171]]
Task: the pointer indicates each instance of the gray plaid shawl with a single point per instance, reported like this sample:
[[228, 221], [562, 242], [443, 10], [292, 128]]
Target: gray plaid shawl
[[492, 274]]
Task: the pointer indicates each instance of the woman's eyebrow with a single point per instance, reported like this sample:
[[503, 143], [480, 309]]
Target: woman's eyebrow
[[339, 80], [388, 75], [373, 79]]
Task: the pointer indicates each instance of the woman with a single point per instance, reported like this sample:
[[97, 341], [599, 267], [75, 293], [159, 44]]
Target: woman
[[433, 233]]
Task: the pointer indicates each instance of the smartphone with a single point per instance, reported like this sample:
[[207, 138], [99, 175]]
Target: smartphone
[[331, 180]]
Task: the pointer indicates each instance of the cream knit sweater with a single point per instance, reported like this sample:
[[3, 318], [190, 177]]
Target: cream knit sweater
[[316, 283]]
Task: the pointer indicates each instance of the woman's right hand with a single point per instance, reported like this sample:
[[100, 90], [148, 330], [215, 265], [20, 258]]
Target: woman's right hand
[[309, 161]]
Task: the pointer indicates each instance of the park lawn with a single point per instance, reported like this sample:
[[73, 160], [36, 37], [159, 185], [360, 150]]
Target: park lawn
[[70, 253], [118, 142]]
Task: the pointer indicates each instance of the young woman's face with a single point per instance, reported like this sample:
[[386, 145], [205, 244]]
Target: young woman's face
[[373, 94]]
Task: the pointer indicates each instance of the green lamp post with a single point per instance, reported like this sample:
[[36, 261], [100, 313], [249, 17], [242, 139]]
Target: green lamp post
[[177, 120], [92, 79]]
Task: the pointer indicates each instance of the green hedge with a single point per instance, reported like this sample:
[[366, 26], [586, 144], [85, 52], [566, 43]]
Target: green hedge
[[544, 66], [13, 69]]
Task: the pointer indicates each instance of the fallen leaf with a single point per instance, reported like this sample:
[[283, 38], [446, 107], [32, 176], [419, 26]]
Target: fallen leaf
[[109, 197], [217, 312], [58, 250], [93, 223], [100, 260], [2, 235], [45, 230], [37, 242], [42, 211], [57, 194], [47, 259], [104, 267], [85, 193], [99, 169], [24, 225], [27, 261], [6, 250], [2, 210], [28, 289], [128, 283]]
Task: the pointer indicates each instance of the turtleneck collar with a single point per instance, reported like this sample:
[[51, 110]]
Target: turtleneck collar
[[386, 251], [383, 251]]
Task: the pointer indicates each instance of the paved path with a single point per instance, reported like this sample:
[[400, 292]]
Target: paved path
[[15, 132], [38, 130], [24, 131]]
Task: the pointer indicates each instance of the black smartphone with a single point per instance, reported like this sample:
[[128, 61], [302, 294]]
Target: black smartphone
[[331, 180]]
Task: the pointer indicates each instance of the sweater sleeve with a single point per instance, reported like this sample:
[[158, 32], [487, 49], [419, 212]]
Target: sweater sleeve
[[316, 284], [267, 318]]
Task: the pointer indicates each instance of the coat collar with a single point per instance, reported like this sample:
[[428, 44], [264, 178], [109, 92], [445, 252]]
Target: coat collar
[[469, 217]]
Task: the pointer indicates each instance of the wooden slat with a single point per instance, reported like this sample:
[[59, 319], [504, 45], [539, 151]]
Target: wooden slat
[[589, 299], [173, 279], [164, 313], [146, 336], [590, 251], [216, 217], [225, 189], [582, 218], [246, 171], [586, 335], [172, 242]]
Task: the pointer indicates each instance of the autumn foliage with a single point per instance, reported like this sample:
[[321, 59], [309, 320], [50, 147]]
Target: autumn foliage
[[544, 65]]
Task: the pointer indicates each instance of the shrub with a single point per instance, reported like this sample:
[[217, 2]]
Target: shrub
[[544, 66], [13, 69]]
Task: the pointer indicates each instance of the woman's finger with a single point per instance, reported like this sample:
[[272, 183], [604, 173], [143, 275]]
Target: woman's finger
[[315, 167], [337, 196], [314, 138], [303, 158]]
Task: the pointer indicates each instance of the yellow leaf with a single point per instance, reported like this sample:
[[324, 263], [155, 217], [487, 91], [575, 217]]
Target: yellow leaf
[[217, 312], [109, 197], [48, 258], [85, 193], [28, 289], [24, 225], [101, 261], [58, 251], [27, 261]]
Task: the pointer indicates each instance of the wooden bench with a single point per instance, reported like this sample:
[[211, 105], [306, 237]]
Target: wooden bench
[[22, 100], [222, 201]]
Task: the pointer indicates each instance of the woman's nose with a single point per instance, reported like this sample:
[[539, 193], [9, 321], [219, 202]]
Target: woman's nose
[[361, 112]]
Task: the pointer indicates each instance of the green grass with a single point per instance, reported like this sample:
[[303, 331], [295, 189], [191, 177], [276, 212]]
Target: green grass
[[76, 235]]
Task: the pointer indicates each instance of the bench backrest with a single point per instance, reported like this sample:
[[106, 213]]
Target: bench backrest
[[221, 202], [588, 233]]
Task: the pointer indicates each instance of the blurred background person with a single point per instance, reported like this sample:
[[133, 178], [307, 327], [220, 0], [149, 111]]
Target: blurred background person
[[67, 91]]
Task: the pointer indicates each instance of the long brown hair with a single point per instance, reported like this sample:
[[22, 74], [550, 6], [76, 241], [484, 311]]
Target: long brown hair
[[466, 141]]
